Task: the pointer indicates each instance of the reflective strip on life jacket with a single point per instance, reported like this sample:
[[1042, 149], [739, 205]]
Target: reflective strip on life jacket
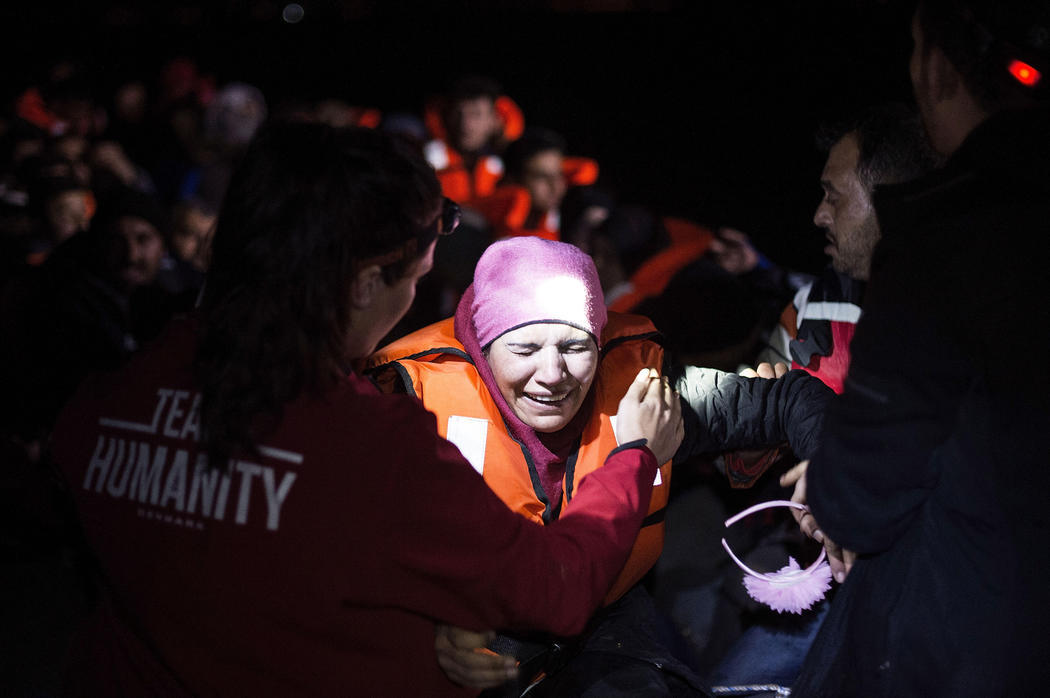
[[438, 154], [469, 436], [835, 312], [658, 480], [457, 183], [842, 318], [443, 377]]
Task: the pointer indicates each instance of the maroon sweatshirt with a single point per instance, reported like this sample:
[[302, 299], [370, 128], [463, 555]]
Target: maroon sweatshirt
[[320, 565]]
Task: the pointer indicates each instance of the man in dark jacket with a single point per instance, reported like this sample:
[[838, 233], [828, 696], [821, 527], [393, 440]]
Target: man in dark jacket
[[883, 144], [933, 468]]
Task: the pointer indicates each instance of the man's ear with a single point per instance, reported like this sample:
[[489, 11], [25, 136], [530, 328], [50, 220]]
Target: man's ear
[[365, 286], [942, 79]]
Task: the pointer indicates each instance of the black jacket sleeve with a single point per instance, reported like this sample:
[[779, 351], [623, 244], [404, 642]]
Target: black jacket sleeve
[[725, 411]]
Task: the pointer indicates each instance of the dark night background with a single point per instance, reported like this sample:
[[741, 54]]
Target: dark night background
[[700, 109]]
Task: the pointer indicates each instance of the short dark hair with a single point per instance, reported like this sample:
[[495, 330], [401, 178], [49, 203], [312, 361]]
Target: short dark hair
[[472, 87], [892, 143], [126, 202], [533, 141], [307, 204], [982, 37]]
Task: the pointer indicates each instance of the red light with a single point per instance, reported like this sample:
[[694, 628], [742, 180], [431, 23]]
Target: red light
[[1024, 73]]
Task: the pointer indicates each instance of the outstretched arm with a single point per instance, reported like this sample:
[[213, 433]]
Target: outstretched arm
[[727, 411], [648, 413]]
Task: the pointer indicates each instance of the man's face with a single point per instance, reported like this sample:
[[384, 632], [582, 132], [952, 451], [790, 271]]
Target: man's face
[[473, 123], [846, 213], [544, 179], [145, 250]]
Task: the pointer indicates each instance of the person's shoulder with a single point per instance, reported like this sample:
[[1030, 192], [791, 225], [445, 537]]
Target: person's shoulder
[[164, 362], [126, 398], [357, 421], [628, 325], [999, 173], [434, 339], [359, 400]]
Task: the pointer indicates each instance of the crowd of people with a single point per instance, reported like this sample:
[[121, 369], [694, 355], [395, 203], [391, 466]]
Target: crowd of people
[[317, 399]]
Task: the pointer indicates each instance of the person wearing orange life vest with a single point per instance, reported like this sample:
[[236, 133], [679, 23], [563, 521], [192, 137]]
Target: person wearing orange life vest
[[470, 127], [411, 539], [522, 380], [538, 175]]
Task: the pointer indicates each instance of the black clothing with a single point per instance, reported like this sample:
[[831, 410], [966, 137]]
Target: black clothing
[[70, 317], [933, 465], [725, 411]]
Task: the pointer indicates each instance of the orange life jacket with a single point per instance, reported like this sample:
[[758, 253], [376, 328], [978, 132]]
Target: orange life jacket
[[30, 106], [457, 182], [508, 206], [433, 364], [506, 108], [689, 242]]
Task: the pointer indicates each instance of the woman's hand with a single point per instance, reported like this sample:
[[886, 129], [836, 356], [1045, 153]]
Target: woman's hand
[[651, 410], [464, 659]]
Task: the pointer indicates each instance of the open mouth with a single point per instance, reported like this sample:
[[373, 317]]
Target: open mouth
[[831, 246], [549, 400]]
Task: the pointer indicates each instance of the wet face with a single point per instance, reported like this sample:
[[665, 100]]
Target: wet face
[[846, 212], [545, 180], [473, 123], [544, 372], [145, 249]]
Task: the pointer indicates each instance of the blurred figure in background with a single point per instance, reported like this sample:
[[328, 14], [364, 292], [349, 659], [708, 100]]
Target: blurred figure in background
[[538, 174], [470, 127]]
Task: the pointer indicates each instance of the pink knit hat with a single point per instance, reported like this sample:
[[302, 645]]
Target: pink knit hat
[[525, 280]]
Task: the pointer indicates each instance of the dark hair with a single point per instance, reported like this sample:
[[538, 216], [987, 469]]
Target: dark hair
[[892, 142], [533, 141], [472, 87], [307, 203], [982, 37], [636, 233], [123, 201]]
